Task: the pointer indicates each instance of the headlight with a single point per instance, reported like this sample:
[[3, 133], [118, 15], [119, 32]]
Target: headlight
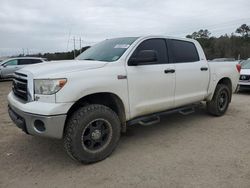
[[48, 86]]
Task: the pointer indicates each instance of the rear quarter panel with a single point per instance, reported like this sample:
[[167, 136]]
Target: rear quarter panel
[[220, 70]]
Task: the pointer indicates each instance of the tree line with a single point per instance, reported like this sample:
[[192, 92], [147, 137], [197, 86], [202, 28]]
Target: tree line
[[236, 45], [59, 55]]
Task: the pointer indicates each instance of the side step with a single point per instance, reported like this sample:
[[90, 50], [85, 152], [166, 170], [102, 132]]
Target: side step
[[187, 111], [150, 120], [155, 117]]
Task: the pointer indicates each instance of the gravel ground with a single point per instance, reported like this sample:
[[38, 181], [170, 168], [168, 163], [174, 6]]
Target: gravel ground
[[182, 151]]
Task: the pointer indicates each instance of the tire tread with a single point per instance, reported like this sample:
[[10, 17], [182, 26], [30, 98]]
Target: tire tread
[[212, 105], [73, 123]]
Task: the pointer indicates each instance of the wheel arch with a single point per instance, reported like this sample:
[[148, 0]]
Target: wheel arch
[[225, 81], [110, 100]]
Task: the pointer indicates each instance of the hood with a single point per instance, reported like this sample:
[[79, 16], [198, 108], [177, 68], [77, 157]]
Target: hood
[[245, 71], [61, 67]]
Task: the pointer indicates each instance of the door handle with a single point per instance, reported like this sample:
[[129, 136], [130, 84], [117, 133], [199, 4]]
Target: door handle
[[169, 71], [204, 68]]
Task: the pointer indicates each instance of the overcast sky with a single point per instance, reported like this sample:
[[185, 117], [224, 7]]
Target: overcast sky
[[49, 25]]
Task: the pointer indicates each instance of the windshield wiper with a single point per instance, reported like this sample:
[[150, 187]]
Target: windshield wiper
[[90, 59]]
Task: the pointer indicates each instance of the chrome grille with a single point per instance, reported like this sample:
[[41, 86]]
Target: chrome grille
[[19, 86]]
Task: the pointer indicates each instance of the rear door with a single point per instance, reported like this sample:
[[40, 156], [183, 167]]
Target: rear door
[[192, 73], [35, 61], [151, 84], [23, 62]]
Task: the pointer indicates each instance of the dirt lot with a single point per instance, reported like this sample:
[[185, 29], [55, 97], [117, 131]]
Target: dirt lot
[[182, 151]]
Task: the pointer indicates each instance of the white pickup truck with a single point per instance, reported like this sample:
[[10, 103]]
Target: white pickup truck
[[89, 101]]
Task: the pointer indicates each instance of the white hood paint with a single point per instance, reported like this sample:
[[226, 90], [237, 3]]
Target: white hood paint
[[52, 68]]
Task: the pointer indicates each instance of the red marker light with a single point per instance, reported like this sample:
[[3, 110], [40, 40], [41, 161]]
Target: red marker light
[[238, 66]]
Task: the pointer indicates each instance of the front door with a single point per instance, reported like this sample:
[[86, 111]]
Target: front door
[[151, 85], [9, 68]]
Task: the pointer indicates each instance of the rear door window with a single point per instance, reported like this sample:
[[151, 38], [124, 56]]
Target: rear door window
[[184, 51], [24, 61], [28, 61], [36, 61]]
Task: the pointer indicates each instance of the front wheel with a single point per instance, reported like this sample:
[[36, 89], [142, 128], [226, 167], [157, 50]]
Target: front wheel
[[220, 102], [92, 133]]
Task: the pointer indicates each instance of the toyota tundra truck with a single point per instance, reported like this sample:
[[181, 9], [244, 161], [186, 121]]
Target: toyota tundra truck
[[89, 101]]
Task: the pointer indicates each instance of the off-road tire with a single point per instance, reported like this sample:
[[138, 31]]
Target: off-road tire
[[76, 125], [213, 106]]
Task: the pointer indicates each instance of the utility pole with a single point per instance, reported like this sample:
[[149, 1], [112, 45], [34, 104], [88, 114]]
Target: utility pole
[[74, 39], [80, 45], [75, 43]]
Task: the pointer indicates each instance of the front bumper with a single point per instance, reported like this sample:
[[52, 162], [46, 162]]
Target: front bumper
[[244, 84], [26, 117], [52, 126]]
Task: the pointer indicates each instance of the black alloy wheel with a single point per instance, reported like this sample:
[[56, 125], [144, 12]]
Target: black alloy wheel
[[96, 135]]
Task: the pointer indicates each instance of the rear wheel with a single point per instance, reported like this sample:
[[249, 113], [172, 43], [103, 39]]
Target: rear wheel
[[92, 133], [220, 102]]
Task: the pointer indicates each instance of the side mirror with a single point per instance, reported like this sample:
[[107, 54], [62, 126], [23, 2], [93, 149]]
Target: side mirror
[[143, 57], [4, 65]]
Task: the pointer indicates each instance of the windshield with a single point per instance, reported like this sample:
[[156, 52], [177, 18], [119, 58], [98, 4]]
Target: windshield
[[246, 65], [107, 50]]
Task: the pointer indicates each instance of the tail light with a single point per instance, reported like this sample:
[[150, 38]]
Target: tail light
[[238, 66]]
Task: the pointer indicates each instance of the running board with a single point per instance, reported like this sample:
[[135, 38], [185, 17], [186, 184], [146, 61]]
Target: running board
[[155, 117], [150, 120], [187, 111]]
